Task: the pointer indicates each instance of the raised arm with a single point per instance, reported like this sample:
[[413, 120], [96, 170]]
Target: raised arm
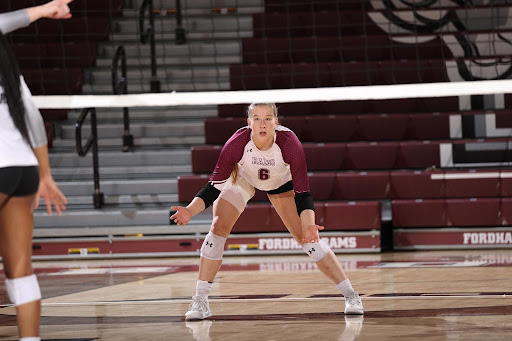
[[11, 21]]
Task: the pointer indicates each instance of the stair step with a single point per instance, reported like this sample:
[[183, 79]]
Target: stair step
[[149, 113], [142, 158], [200, 227], [164, 74], [192, 24], [110, 218], [126, 172], [165, 48], [140, 144], [173, 61], [202, 5], [77, 203], [106, 89], [120, 187], [174, 129]]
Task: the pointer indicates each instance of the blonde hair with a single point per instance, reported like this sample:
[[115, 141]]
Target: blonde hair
[[251, 107]]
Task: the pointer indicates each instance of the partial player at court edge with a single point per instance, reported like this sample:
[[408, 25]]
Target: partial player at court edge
[[269, 157], [25, 174]]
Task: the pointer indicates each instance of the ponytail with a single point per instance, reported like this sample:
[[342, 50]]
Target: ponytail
[[10, 81]]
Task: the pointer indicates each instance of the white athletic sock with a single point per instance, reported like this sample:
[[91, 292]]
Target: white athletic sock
[[346, 288], [31, 338], [203, 288]]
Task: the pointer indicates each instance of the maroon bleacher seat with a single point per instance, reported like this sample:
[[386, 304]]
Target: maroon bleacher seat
[[332, 128], [429, 126], [255, 218], [472, 187], [314, 5], [54, 81], [416, 185], [354, 215], [419, 213], [54, 114], [204, 158], [506, 183], [322, 185], [419, 154], [383, 127], [371, 155], [473, 212], [506, 211], [320, 156], [410, 105], [74, 29], [362, 185], [188, 186], [52, 55], [219, 130], [90, 7], [298, 125]]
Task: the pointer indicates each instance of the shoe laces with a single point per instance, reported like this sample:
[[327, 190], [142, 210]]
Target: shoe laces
[[199, 304], [353, 299]]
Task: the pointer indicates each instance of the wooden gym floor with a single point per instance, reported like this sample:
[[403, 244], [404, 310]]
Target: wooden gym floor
[[436, 295]]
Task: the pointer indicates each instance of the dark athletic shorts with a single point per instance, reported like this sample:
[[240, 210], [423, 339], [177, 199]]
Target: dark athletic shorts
[[19, 181]]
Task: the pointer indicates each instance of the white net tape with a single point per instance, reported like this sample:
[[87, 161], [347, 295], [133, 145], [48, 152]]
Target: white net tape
[[375, 92]]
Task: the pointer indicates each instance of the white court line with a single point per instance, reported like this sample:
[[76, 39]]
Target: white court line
[[296, 299]]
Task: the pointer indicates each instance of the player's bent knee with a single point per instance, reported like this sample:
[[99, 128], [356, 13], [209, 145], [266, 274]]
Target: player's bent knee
[[317, 251], [23, 290], [213, 247]]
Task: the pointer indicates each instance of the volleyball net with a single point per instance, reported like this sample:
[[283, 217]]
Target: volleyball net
[[215, 45]]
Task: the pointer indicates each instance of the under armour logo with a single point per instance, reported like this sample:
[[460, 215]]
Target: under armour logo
[[312, 250], [209, 244], [249, 150]]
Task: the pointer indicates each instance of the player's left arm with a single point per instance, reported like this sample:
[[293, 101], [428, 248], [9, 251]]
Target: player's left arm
[[293, 154]]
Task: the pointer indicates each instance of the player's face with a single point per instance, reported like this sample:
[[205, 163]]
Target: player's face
[[262, 122]]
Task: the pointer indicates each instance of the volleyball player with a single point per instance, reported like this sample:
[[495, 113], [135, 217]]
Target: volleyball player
[[269, 157], [24, 173]]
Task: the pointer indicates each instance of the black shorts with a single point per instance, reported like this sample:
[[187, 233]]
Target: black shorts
[[284, 188], [19, 181]]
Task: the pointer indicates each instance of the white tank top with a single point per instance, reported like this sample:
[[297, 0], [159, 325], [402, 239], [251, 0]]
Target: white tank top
[[14, 150], [266, 170]]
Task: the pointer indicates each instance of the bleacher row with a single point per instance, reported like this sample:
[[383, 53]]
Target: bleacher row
[[53, 53], [361, 154], [366, 127]]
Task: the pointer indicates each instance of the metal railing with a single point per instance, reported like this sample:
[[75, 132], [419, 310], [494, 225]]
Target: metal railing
[[92, 141], [149, 34], [180, 35], [120, 87]]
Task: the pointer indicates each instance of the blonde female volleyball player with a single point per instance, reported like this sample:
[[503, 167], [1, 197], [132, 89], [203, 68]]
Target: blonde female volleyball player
[[24, 173], [269, 157]]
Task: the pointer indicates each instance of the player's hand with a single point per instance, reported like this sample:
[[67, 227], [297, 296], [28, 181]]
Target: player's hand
[[57, 9], [310, 234], [182, 215], [51, 194]]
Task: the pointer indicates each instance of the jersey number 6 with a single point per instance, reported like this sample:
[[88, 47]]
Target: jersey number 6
[[263, 174]]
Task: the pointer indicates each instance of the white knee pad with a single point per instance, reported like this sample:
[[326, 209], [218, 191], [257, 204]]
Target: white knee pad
[[23, 290], [213, 246], [317, 251]]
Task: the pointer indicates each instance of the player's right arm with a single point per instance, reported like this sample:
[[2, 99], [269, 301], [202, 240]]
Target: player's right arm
[[230, 155]]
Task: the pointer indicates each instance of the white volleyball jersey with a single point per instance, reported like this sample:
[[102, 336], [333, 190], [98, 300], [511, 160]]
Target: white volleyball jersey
[[14, 150], [265, 170]]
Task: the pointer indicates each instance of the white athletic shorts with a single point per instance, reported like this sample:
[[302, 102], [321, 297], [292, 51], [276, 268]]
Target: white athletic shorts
[[237, 194]]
